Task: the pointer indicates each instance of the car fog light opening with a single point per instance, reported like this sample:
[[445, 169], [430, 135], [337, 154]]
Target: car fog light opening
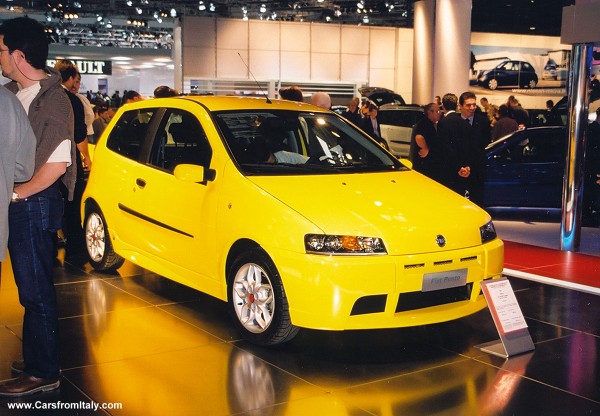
[[488, 232], [343, 245]]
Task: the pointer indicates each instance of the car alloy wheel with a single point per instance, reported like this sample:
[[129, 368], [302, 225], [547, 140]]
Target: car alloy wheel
[[257, 300], [492, 84], [532, 83], [97, 241]]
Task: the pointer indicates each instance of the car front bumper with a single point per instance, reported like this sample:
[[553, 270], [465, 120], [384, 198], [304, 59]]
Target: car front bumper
[[369, 292]]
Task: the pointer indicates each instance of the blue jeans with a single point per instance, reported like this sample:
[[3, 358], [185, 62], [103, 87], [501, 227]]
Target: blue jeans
[[33, 223]]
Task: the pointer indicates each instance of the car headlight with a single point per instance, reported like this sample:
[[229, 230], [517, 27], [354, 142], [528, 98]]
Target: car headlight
[[488, 232], [343, 245]]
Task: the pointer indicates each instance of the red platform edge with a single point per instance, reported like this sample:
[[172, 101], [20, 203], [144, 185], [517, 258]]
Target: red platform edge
[[559, 268]]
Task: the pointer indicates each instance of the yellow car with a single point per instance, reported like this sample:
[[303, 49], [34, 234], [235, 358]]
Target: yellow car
[[290, 214]]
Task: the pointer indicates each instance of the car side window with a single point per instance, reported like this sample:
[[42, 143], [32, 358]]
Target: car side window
[[180, 139], [539, 149], [128, 135]]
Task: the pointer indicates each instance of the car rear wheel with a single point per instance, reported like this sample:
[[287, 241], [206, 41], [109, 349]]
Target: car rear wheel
[[492, 84], [257, 300], [532, 83], [97, 241]]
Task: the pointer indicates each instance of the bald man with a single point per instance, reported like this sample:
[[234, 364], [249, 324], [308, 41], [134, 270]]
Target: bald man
[[321, 99]]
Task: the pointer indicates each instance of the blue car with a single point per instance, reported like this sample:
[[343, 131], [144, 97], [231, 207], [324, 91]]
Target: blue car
[[525, 172]]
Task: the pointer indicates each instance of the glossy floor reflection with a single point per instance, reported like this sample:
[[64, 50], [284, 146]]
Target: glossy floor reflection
[[159, 348]]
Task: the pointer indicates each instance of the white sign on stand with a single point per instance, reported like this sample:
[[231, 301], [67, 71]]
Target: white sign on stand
[[508, 318]]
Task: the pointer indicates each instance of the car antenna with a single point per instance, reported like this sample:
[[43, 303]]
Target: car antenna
[[259, 87]]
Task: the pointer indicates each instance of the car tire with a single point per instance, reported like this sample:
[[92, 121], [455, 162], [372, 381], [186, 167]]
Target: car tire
[[532, 83], [97, 242], [492, 84], [257, 300]]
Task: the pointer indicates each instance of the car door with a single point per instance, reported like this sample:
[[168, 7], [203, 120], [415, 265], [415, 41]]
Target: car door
[[527, 171], [175, 217], [510, 74]]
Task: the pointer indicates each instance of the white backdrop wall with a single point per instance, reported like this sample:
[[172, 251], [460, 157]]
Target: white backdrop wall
[[297, 52]]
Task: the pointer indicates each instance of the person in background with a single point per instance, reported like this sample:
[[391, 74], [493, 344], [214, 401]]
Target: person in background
[[352, 114], [517, 112], [321, 99], [100, 122], [370, 124], [131, 97], [427, 152], [164, 91], [291, 93], [75, 245], [88, 111], [485, 104], [17, 159], [35, 212], [465, 153], [438, 100], [505, 123]]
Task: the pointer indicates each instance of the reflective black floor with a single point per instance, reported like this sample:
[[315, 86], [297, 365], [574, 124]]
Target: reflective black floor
[[156, 348]]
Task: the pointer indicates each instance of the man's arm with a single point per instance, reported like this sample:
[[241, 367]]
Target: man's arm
[[43, 178]]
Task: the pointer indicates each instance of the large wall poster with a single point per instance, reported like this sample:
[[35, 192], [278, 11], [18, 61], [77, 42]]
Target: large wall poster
[[535, 75]]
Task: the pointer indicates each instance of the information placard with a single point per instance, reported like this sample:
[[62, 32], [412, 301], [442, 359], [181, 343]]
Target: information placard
[[508, 319], [504, 305]]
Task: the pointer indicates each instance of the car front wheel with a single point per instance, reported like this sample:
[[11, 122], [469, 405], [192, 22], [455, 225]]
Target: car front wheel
[[492, 84], [97, 241], [257, 300]]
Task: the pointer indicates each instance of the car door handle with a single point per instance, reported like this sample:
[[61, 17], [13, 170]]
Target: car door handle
[[140, 182]]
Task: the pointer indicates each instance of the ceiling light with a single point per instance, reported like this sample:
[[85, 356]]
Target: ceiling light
[[212, 7], [173, 13], [129, 3], [138, 10], [365, 19], [263, 8], [201, 6]]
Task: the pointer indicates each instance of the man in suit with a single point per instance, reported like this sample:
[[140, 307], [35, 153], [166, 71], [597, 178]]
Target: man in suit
[[370, 124], [465, 133]]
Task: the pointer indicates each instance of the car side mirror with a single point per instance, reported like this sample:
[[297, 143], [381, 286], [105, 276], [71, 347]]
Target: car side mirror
[[194, 173]]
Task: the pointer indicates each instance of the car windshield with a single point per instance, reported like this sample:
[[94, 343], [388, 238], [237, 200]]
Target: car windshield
[[300, 143]]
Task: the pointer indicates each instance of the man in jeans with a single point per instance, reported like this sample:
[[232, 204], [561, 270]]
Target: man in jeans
[[36, 208]]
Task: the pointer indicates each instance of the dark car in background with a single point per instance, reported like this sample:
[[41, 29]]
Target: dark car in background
[[509, 74], [525, 172], [381, 96]]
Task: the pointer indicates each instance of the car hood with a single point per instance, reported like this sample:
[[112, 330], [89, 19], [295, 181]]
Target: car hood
[[404, 208]]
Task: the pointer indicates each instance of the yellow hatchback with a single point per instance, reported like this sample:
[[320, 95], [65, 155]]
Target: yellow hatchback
[[288, 213]]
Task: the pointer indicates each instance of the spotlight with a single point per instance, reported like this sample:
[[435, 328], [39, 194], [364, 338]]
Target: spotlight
[[263, 8], [201, 6], [173, 13]]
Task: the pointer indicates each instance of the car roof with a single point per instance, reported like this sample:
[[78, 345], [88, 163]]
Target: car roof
[[219, 103], [522, 132]]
